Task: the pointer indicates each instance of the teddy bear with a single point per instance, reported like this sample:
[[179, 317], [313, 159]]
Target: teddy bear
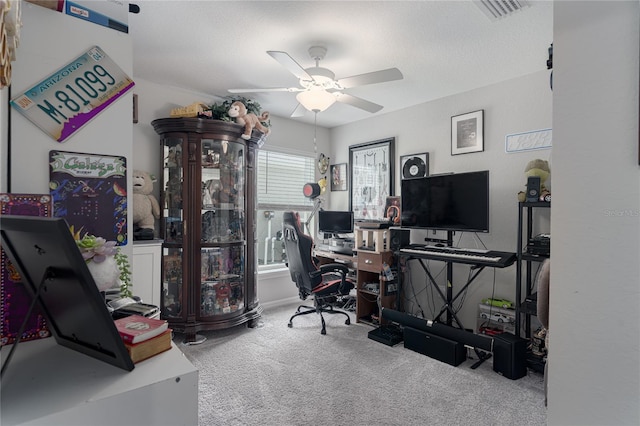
[[145, 206], [248, 119], [541, 169]]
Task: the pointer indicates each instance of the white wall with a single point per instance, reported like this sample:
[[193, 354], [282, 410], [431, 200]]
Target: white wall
[[513, 106], [594, 360], [50, 40]]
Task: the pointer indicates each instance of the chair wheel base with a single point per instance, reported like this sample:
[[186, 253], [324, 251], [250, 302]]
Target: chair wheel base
[[318, 309]]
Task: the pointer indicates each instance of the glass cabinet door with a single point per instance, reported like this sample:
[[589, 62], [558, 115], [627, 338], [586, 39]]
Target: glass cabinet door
[[222, 276], [173, 177], [172, 229], [172, 281], [223, 223]]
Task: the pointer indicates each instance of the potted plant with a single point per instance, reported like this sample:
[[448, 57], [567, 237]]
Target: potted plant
[[220, 111], [107, 264]]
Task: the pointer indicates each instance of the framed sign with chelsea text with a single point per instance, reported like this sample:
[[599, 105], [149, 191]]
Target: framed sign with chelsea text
[[64, 102]]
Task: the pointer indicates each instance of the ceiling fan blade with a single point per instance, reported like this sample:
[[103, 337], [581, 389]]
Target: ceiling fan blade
[[299, 111], [358, 102], [273, 89], [381, 76], [290, 64]]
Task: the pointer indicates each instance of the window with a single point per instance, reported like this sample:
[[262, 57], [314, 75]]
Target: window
[[281, 178]]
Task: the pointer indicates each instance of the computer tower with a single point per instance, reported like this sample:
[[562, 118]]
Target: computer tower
[[440, 348], [510, 355]]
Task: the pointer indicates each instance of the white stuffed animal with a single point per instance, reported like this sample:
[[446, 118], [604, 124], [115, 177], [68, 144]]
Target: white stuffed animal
[[145, 205]]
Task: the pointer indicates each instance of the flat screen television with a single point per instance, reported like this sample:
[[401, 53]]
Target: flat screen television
[[47, 258], [335, 222], [450, 202]]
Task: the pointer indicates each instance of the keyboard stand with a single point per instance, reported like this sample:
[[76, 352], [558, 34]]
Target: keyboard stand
[[448, 298], [482, 357]]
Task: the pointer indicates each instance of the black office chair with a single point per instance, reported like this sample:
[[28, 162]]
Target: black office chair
[[327, 283]]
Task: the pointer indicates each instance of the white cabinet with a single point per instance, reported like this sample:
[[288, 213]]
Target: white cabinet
[[147, 255], [47, 384]]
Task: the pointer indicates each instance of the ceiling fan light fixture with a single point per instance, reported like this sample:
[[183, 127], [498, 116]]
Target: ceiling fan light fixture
[[316, 100], [321, 75], [319, 88]]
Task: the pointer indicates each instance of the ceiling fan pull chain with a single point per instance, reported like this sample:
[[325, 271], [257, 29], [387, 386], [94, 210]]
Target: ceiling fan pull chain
[[315, 133]]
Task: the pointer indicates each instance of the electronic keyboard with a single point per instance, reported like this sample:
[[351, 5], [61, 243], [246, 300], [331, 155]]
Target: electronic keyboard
[[479, 257]]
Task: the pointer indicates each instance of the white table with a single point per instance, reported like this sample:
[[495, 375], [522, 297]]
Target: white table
[[48, 384]]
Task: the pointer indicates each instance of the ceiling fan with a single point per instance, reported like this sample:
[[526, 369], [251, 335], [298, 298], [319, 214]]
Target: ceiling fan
[[319, 87]]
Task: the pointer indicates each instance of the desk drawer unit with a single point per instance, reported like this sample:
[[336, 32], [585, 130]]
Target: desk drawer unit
[[372, 262], [372, 289]]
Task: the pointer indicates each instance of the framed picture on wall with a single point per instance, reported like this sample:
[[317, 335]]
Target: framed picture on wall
[[372, 174], [467, 133], [339, 178], [414, 166]]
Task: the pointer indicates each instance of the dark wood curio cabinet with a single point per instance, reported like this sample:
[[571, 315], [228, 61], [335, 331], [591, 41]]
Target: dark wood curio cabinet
[[208, 224]]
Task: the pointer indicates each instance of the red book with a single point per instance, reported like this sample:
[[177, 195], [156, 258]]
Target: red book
[[151, 347], [136, 328]]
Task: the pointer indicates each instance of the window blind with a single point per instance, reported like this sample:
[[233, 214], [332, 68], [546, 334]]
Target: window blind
[[281, 178]]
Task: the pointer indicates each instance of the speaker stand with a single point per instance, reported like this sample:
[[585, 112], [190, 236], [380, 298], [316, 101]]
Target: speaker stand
[[482, 357]]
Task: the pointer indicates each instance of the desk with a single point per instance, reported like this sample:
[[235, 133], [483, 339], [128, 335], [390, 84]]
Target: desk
[[366, 268], [325, 257], [48, 384]]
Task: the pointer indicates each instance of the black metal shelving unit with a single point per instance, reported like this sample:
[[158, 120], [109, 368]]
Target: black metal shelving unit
[[525, 261]]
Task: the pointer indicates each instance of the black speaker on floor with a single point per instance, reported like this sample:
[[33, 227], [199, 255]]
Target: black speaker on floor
[[533, 188], [435, 347], [399, 238], [441, 330], [510, 355]]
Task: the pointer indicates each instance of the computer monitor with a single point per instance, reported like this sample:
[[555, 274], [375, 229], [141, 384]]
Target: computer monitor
[[44, 253], [451, 202], [335, 222]]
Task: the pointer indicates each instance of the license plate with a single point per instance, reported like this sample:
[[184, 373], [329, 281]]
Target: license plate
[[64, 102]]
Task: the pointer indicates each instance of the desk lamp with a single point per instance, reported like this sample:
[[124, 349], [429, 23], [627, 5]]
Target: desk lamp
[[312, 191]]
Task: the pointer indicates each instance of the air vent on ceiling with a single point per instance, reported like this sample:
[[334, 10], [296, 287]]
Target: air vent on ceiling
[[498, 9]]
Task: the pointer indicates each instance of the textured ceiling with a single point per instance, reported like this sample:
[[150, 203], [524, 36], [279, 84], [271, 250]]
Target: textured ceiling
[[441, 47]]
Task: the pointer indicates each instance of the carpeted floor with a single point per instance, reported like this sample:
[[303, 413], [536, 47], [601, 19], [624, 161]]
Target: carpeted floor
[[275, 375]]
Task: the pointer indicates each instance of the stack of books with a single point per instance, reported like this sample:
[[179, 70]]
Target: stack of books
[[144, 337]]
